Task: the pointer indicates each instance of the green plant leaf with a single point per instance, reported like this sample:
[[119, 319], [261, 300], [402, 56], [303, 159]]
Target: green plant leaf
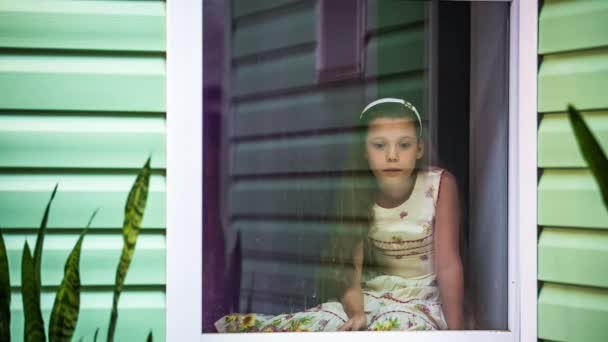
[[95, 336], [149, 339], [134, 212], [591, 151], [5, 294], [40, 239], [67, 300], [34, 325]]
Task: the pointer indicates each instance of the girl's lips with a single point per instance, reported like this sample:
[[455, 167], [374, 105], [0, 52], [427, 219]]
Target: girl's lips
[[392, 172]]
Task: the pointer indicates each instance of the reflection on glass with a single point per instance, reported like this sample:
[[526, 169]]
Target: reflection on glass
[[340, 148]]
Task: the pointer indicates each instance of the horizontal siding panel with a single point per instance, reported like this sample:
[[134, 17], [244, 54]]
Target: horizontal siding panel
[[266, 302], [279, 277], [387, 14], [572, 25], [277, 287], [98, 260], [573, 314], [296, 197], [282, 240], [310, 111], [23, 199], [295, 27], [395, 52], [411, 88], [557, 145], [247, 7], [138, 313], [269, 303], [310, 154], [276, 73], [47, 141], [573, 256], [322, 109], [570, 198], [83, 25], [82, 82], [567, 78]]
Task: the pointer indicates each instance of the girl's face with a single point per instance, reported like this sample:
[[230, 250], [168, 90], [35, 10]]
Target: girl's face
[[392, 149]]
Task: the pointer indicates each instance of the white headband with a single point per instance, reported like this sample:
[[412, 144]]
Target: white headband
[[393, 100]]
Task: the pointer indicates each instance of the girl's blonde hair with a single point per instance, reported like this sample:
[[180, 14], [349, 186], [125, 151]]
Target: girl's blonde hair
[[354, 202]]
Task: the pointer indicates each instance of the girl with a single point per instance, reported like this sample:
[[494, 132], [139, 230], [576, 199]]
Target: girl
[[395, 262]]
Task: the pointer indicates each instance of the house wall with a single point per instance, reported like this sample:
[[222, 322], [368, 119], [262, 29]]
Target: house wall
[[82, 104], [572, 219], [288, 135]]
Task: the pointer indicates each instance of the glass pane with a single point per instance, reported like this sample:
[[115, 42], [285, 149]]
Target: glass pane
[[355, 165]]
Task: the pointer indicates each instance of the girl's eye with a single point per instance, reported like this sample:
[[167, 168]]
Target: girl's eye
[[405, 145], [378, 145]]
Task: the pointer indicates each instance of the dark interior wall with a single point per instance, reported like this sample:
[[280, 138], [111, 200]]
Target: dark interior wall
[[452, 97]]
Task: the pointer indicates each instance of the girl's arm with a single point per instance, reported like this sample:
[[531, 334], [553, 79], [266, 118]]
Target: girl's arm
[[448, 264], [352, 300]]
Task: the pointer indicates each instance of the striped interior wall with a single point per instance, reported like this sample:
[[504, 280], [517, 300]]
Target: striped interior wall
[[288, 135], [573, 222], [82, 104]]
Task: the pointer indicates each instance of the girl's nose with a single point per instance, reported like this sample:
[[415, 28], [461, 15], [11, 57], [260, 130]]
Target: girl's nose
[[392, 154]]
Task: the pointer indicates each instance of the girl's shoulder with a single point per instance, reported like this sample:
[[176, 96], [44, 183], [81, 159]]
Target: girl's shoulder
[[433, 173], [433, 180]]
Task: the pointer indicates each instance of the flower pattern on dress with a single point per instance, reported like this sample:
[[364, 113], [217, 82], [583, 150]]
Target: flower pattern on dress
[[386, 325], [270, 328], [426, 228], [298, 324], [430, 192], [423, 308], [323, 324]]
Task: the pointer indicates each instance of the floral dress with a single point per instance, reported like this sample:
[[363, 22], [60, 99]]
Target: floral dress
[[403, 296]]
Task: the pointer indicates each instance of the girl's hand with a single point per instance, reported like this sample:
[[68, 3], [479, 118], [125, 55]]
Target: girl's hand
[[357, 322]]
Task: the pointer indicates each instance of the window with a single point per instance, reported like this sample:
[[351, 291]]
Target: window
[[275, 140], [340, 36]]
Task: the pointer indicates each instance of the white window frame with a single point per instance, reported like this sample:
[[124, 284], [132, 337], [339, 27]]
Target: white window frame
[[184, 188]]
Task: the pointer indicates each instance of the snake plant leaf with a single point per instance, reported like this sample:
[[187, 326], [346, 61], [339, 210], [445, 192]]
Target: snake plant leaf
[[591, 151], [64, 315], [40, 240], [134, 212], [34, 325], [149, 339], [5, 294]]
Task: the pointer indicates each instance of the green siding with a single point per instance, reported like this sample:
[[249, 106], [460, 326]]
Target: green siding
[[82, 104], [87, 82], [572, 25], [573, 313], [573, 256], [570, 198], [259, 36], [557, 144], [394, 14], [126, 26], [242, 8], [568, 77], [396, 52], [573, 221]]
